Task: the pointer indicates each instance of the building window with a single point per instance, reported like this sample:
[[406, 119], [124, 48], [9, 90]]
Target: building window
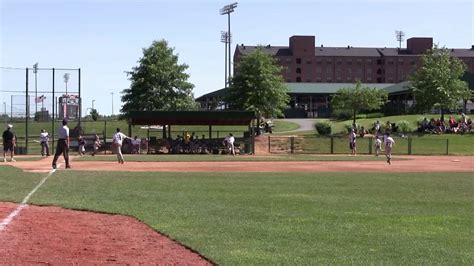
[[298, 70], [349, 71], [298, 79], [328, 70], [338, 70], [390, 80], [308, 80], [390, 62], [339, 61], [318, 79], [349, 61], [369, 70], [379, 80], [329, 62], [400, 61], [379, 61], [369, 79], [389, 70], [329, 79], [339, 79], [412, 62], [348, 78], [319, 70], [379, 71], [319, 61], [359, 61], [359, 71], [368, 61], [298, 60], [288, 80], [309, 62]]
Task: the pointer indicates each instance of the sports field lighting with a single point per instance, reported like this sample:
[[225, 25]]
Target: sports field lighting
[[112, 102], [35, 71], [225, 38], [400, 37], [66, 79], [226, 10]]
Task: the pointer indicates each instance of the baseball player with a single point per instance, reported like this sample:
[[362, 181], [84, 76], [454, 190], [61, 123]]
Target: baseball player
[[388, 147], [117, 140], [44, 138], [378, 145], [352, 142]]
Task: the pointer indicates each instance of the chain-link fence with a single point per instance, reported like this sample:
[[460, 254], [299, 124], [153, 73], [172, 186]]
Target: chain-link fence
[[340, 145]]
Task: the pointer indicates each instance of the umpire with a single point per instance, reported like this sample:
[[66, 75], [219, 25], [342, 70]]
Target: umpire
[[63, 145]]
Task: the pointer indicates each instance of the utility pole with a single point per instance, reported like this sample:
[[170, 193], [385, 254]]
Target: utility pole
[[226, 10], [400, 37], [66, 79], [112, 103], [35, 70], [225, 38]]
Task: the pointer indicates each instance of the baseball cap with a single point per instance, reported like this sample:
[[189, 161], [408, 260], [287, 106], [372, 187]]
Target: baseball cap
[[64, 121], [9, 125]]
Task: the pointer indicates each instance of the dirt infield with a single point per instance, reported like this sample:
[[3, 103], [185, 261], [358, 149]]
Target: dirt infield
[[53, 235], [410, 164], [50, 235]]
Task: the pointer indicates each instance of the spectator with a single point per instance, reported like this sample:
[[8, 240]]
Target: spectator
[[96, 144], [82, 143], [377, 127], [136, 145]]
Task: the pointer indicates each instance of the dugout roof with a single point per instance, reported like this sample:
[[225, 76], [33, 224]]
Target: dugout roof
[[191, 117]]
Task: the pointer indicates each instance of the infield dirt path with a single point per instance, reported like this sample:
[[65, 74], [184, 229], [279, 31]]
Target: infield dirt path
[[409, 164]]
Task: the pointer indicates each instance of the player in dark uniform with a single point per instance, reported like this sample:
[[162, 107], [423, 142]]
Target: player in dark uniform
[[8, 143], [63, 145]]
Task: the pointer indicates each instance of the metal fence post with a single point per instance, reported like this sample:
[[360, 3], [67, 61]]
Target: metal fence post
[[447, 146], [409, 146], [332, 145], [370, 145], [105, 136], [269, 145], [292, 145]]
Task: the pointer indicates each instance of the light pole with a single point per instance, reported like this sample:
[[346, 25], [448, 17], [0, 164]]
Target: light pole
[[66, 79], [112, 103], [225, 38], [5, 111], [35, 70], [226, 10], [93, 104]]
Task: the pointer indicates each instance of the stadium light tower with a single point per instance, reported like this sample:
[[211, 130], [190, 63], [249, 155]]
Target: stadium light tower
[[112, 103], [35, 71], [225, 38], [400, 37], [66, 79], [226, 10]]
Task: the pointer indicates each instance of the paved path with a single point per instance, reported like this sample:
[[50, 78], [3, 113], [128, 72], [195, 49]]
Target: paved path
[[306, 124]]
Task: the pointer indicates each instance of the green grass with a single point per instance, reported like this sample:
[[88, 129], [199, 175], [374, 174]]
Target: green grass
[[228, 158], [283, 126], [281, 218]]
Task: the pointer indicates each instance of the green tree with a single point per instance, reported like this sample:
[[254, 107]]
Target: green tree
[[437, 83], [94, 114], [358, 99], [158, 83], [258, 86]]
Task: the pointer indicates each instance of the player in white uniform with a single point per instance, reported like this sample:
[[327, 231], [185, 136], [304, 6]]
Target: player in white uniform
[[117, 140], [388, 147]]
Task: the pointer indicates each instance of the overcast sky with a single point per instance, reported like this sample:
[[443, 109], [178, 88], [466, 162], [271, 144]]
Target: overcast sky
[[105, 38]]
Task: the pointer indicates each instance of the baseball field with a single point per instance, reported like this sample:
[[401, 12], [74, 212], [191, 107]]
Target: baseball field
[[238, 210]]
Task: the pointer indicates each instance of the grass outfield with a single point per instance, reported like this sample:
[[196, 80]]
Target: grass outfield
[[228, 158], [280, 218]]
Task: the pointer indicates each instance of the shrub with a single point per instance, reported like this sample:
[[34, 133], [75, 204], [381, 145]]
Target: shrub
[[342, 114], [348, 127], [404, 126], [361, 116], [323, 128]]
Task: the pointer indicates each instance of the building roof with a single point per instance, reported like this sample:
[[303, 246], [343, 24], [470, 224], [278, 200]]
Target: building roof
[[331, 88], [320, 88], [191, 117], [351, 51]]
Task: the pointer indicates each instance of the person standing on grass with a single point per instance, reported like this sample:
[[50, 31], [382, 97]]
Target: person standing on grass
[[388, 147], [8, 143], [117, 141], [63, 145], [44, 138], [352, 142], [378, 145]]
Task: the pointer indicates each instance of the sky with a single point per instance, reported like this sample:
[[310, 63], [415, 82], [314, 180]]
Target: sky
[[105, 38]]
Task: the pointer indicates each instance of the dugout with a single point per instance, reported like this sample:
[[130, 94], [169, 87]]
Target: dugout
[[168, 119]]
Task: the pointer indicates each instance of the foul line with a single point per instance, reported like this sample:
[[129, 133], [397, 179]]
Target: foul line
[[23, 204]]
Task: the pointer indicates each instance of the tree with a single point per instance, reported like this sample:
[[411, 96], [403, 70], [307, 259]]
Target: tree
[[437, 83], [94, 114], [258, 86], [359, 98], [158, 83]]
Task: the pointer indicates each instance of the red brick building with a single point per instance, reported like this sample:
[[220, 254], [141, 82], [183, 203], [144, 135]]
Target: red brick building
[[305, 61]]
